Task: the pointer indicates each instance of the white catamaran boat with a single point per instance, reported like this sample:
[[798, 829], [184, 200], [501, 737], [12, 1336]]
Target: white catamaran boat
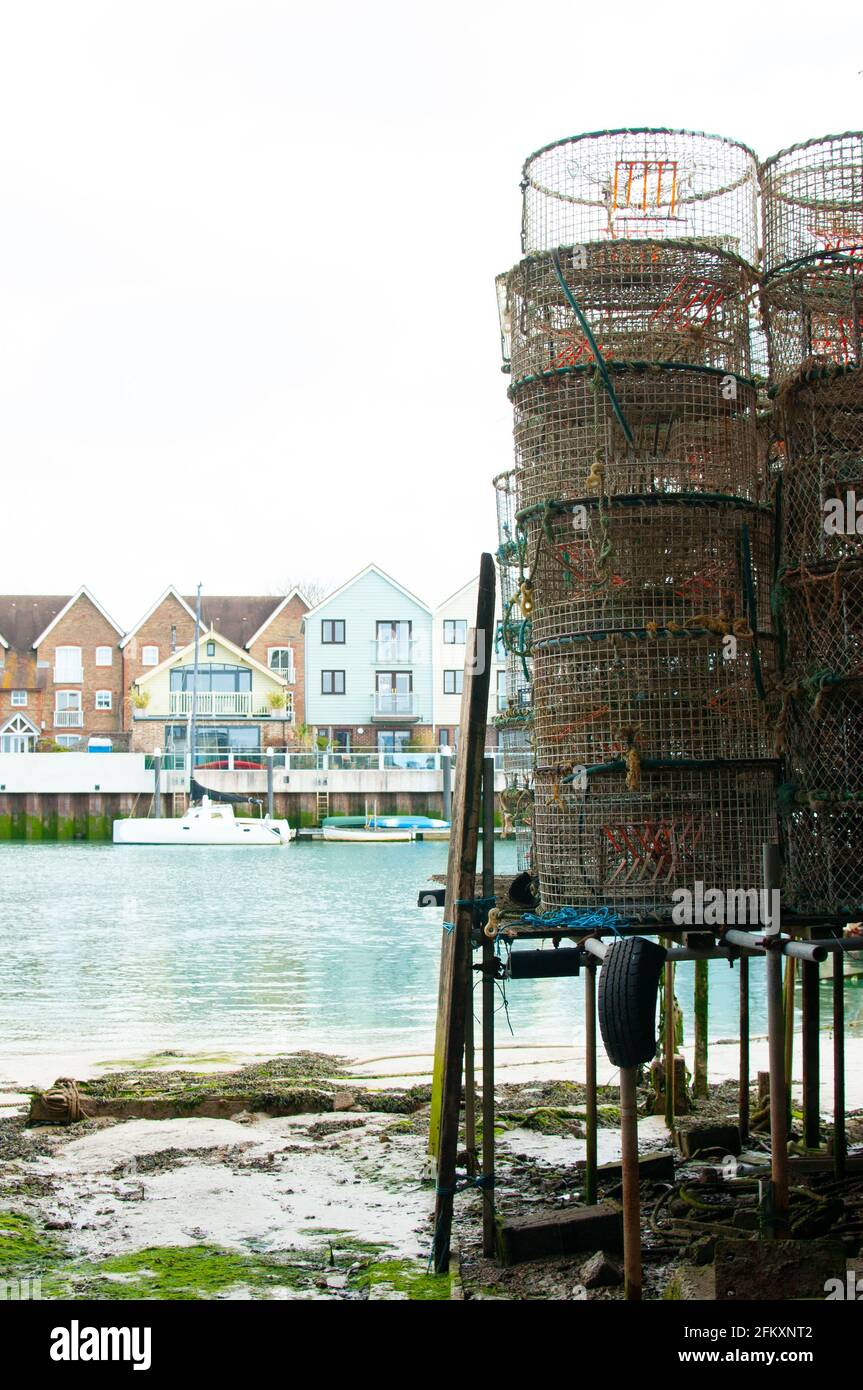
[[207, 822], [211, 823]]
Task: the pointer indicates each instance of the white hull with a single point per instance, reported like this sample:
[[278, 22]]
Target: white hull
[[211, 823], [335, 832]]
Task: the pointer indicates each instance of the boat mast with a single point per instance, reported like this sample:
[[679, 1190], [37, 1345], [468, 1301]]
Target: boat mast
[[193, 716]]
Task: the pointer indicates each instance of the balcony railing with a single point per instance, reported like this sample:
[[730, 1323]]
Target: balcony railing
[[68, 719], [390, 703], [218, 704], [395, 651], [317, 760]]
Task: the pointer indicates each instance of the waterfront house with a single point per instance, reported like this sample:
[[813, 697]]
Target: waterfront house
[[60, 673], [452, 621], [369, 666], [250, 676]]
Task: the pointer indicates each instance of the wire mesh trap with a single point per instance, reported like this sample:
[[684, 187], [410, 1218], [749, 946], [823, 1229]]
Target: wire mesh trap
[[822, 484], [638, 301], [636, 184], [596, 842], [691, 431]]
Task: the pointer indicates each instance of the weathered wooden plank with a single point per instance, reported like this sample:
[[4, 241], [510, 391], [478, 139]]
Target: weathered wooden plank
[[454, 993], [564, 1232]]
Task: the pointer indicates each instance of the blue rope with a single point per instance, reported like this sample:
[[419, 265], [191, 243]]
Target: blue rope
[[478, 904], [582, 919]]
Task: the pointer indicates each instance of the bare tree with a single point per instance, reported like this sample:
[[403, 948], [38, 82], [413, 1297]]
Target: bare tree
[[313, 590]]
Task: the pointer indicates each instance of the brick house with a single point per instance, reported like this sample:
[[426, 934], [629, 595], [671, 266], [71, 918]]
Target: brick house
[[250, 650], [61, 673]]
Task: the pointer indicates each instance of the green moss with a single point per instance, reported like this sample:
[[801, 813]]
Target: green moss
[[23, 1250], [185, 1272], [406, 1277]]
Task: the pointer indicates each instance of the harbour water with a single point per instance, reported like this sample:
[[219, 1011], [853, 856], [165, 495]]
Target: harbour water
[[120, 952]]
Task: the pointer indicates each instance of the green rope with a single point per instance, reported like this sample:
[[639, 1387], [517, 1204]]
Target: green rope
[[600, 360]]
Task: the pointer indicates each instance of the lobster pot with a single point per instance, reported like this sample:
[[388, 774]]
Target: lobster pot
[[822, 618], [638, 301], [618, 185], [514, 633], [824, 869], [515, 750], [812, 202], [693, 432], [822, 483], [823, 731], [812, 205], [597, 843], [670, 697], [814, 317], [646, 564]]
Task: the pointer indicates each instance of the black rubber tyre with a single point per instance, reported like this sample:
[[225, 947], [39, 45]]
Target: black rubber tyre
[[628, 985]]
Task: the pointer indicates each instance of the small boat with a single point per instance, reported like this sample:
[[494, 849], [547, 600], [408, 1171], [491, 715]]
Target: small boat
[[368, 833], [210, 823]]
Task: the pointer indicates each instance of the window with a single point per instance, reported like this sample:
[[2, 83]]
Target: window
[[393, 641], [332, 682], [281, 659], [149, 656], [453, 682], [19, 698], [221, 679], [68, 699], [68, 740], [332, 631], [103, 699], [501, 690], [104, 656], [173, 638], [211, 649], [67, 664], [455, 631]]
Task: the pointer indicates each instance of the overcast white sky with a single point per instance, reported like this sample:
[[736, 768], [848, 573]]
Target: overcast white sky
[[247, 250]]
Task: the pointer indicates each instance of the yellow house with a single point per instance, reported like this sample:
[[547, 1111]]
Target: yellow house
[[241, 705]]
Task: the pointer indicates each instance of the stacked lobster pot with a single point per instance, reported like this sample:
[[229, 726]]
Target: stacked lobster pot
[[514, 721], [812, 305], [643, 529]]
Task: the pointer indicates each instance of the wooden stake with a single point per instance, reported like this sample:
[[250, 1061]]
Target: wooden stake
[[488, 1001], [743, 1071], [699, 1074], [631, 1189], [811, 1053], [839, 1144], [590, 1104], [776, 1049], [454, 993]]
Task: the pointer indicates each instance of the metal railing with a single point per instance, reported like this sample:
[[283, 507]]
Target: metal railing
[[214, 704], [395, 651], [314, 760], [68, 719], [395, 702]]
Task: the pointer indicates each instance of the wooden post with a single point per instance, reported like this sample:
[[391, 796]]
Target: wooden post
[[446, 774], [488, 993], [811, 1053], [669, 1049], [271, 753], [699, 1072], [590, 1107], [631, 1189], [838, 958], [157, 783], [743, 1071], [776, 1050], [455, 986]]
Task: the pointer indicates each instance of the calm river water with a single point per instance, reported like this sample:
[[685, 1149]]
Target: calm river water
[[129, 950]]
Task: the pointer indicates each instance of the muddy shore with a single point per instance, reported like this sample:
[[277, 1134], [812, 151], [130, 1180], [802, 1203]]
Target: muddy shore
[[307, 1177]]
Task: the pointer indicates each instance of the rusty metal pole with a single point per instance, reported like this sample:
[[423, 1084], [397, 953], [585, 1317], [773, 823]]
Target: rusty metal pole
[[776, 1049], [631, 1192], [743, 1070], [838, 958], [488, 992], [590, 1105], [669, 1048]]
